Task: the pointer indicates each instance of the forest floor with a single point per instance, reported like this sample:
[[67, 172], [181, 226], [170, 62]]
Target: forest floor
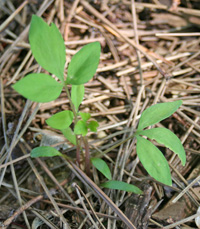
[[150, 53]]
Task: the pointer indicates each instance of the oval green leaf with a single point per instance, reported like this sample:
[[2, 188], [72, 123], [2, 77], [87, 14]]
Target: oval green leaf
[[167, 138], [47, 46], [153, 161], [102, 167], [81, 128], [85, 116], [77, 94], [157, 112], [69, 134], [61, 120], [92, 125], [83, 64], [38, 87], [45, 151], [120, 185]]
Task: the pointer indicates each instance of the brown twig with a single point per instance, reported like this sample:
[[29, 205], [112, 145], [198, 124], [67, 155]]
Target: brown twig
[[104, 197], [87, 156], [20, 210]]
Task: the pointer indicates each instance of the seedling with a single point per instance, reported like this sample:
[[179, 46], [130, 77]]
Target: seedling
[[48, 48], [150, 156]]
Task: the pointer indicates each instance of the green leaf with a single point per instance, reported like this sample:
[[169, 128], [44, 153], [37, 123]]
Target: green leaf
[[102, 167], [85, 116], [167, 138], [120, 185], [38, 87], [84, 64], [92, 125], [60, 120], [69, 134], [47, 46], [45, 151], [157, 112], [81, 128], [153, 160], [77, 94]]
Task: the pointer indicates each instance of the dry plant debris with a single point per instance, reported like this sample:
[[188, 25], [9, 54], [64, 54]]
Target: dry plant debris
[[150, 54]]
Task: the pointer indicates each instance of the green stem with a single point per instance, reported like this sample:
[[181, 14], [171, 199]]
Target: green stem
[[78, 151], [115, 146], [76, 120], [71, 104]]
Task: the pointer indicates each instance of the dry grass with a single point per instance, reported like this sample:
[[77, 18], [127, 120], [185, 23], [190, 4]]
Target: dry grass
[[150, 54]]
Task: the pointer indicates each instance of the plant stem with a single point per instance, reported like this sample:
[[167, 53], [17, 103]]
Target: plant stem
[[78, 151], [115, 146], [76, 120], [87, 156], [71, 104]]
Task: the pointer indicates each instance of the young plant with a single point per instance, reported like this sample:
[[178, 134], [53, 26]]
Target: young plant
[[150, 156], [47, 46]]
